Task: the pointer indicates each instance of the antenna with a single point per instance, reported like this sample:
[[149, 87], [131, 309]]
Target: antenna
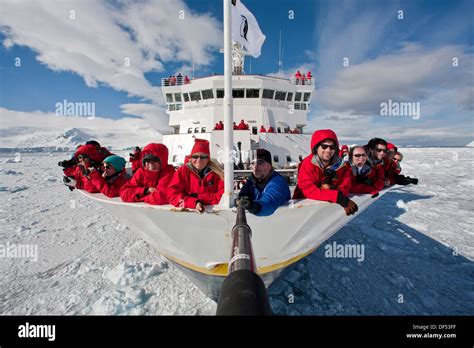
[[280, 62]]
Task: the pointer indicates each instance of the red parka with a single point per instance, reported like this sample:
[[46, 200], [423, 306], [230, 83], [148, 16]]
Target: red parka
[[82, 182], [311, 175], [187, 187], [376, 175], [109, 187], [134, 190], [391, 169]]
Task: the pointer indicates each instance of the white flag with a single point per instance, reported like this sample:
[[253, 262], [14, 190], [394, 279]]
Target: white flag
[[245, 29]]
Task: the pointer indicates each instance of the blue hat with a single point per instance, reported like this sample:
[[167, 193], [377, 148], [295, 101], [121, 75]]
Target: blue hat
[[117, 162]]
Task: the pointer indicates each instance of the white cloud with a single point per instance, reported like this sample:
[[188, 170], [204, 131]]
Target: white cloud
[[36, 129], [108, 43]]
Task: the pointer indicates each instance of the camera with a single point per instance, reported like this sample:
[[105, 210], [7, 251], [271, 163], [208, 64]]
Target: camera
[[67, 163]]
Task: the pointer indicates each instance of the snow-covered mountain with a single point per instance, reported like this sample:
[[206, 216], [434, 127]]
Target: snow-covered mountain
[[471, 144]]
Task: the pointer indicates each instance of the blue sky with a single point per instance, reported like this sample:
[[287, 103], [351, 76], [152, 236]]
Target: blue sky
[[405, 59]]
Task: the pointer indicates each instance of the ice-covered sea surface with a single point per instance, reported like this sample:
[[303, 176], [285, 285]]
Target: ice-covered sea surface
[[418, 251]]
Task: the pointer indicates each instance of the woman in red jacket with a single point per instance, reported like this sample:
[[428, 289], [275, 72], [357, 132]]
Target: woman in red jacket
[[323, 176], [199, 182], [365, 178], [88, 158], [112, 179], [150, 182]]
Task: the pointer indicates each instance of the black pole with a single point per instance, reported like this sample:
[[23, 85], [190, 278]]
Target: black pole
[[243, 291]]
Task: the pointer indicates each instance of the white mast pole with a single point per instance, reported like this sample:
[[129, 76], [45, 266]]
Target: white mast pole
[[227, 198]]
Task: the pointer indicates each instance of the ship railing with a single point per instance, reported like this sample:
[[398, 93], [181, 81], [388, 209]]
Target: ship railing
[[300, 81], [176, 81]]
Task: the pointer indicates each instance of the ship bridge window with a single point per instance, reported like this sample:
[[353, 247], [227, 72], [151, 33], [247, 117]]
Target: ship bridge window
[[195, 96], [238, 93], [207, 94], [196, 130], [298, 96], [288, 158], [280, 95], [252, 93], [203, 129], [220, 93], [306, 97], [179, 106], [190, 130], [177, 97], [169, 97], [289, 96], [254, 130], [275, 158], [268, 93], [172, 107], [186, 97]]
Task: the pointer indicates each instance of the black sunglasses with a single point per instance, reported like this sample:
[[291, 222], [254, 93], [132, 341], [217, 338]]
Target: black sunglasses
[[360, 155], [203, 157], [381, 150], [325, 146]]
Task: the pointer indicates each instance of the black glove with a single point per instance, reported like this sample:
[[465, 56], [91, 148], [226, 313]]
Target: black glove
[[69, 182], [375, 195], [342, 200], [249, 204]]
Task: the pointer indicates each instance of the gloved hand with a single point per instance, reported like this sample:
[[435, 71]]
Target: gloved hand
[[375, 194], [69, 182], [350, 207], [249, 204]]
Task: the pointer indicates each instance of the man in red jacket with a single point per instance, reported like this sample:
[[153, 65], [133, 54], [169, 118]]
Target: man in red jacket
[[198, 182], [112, 179], [323, 176], [365, 178], [150, 182]]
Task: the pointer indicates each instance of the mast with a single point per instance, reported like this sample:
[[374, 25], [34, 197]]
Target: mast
[[227, 198]]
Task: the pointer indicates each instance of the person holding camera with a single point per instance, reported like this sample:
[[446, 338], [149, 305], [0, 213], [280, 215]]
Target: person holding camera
[[365, 178], [323, 175], [113, 177], [150, 182], [135, 159], [265, 190], [88, 159]]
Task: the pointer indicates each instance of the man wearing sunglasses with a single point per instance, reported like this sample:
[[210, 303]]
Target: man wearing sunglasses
[[150, 182], [113, 177], [265, 189], [323, 175]]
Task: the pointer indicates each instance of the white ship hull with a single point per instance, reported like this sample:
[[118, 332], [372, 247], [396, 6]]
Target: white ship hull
[[200, 243]]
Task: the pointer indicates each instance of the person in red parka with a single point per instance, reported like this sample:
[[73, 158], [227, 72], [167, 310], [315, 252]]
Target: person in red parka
[[103, 151], [344, 153], [198, 182], [365, 178], [88, 158], [135, 159], [241, 125], [323, 176], [262, 129], [112, 179], [391, 168], [150, 182], [271, 130]]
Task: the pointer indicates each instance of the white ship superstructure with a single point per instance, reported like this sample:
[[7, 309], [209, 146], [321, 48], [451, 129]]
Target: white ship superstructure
[[195, 106]]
